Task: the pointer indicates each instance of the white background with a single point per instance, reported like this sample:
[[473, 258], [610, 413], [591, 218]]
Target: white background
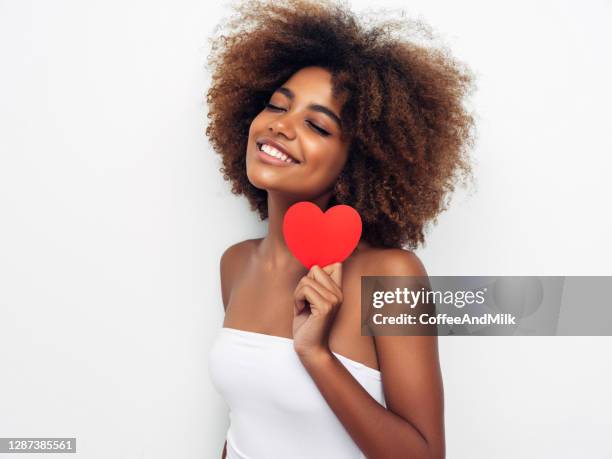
[[114, 215]]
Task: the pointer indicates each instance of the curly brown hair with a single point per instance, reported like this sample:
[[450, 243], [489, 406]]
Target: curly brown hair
[[409, 130]]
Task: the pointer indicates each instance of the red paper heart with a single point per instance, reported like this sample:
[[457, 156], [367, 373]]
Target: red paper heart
[[317, 238]]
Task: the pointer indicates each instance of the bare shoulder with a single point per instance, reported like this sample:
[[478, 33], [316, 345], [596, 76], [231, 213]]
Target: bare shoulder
[[371, 261], [237, 251], [389, 262], [232, 261]]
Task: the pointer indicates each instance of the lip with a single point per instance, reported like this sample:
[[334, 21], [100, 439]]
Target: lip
[[272, 160], [277, 145]]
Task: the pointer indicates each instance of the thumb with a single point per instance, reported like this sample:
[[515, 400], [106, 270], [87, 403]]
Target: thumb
[[335, 272]]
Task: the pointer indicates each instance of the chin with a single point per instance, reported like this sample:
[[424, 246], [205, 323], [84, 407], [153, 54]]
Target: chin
[[271, 184], [263, 177], [264, 180]]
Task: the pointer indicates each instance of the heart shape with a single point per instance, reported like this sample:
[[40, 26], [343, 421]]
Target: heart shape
[[317, 238]]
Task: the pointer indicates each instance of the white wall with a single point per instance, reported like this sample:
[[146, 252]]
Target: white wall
[[113, 216]]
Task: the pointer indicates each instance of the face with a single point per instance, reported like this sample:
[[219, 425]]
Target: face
[[295, 144]]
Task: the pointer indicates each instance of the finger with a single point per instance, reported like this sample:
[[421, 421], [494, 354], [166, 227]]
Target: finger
[[299, 298], [324, 279], [332, 295], [318, 304], [299, 304], [305, 280], [329, 295], [335, 272], [301, 282]]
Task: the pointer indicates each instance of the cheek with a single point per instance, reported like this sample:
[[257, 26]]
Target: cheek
[[329, 156], [256, 128], [326, 162], [258, 124], [255, 124]]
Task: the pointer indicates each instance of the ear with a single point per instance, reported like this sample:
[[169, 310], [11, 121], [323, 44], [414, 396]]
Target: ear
[[335, 272]]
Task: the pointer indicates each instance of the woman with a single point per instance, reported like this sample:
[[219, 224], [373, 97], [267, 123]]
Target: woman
[[307, 103]]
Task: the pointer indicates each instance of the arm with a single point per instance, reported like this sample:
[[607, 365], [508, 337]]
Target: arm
[[226, 268], [230, 265], [412, 425]]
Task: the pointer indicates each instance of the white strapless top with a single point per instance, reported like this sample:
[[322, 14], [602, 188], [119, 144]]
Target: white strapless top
[[276, 411]]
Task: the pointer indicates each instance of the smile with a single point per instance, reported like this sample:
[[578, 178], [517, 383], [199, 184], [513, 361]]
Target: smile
[[273, 154]]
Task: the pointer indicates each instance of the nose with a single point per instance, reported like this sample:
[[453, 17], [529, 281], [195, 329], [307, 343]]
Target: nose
[[282, 125]]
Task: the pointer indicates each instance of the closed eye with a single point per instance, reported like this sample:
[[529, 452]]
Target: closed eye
[[321, 131], [273, 107], [316, 128]]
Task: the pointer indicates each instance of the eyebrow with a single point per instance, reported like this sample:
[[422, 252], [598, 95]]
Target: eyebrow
[[315, 107]]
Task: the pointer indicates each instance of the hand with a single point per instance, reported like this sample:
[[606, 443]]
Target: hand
[[318, 297]]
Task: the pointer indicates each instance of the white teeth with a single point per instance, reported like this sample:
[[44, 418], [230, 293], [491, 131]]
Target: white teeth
[[275, 153]]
